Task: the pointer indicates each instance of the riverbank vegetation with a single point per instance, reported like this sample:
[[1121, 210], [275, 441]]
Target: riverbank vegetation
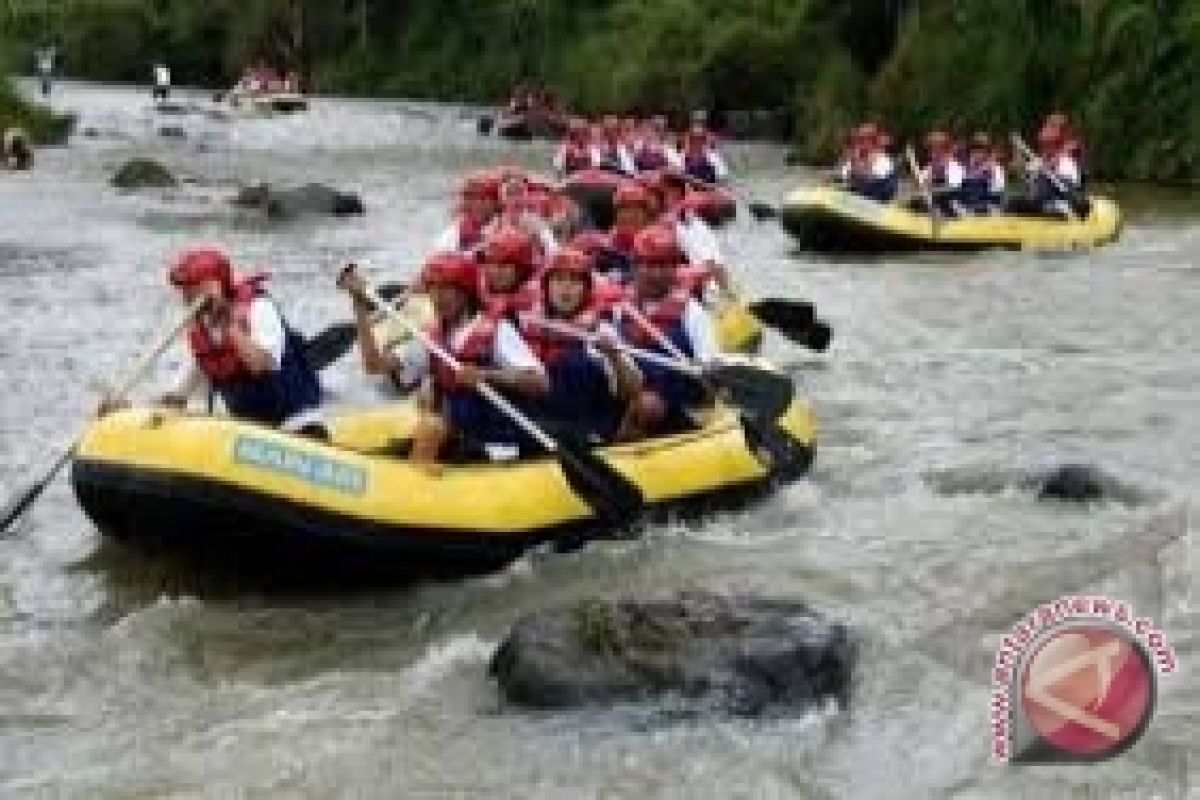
[[1123, 69]]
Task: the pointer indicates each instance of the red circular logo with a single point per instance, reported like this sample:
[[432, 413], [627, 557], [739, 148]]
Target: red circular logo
[[1088, 689]]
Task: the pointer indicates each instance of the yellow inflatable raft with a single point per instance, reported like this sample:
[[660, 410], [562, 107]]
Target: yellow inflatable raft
[[831, 219], [234, 494]]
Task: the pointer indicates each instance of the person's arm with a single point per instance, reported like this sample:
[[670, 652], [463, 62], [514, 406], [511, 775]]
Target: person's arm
[[700, 332], [519, 369], [674, 157], [560, 160], [624, 377], [954, 175], [1067, 170]]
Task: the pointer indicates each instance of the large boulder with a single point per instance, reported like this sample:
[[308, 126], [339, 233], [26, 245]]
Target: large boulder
[[288, 203], [732, 655], [141, 173]]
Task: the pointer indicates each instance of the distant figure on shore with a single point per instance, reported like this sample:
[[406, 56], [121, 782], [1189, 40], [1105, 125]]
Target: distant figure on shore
[[162, 82], [17, 152], [45, 67]]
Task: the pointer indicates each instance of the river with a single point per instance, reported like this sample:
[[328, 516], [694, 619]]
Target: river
[[949, 377]]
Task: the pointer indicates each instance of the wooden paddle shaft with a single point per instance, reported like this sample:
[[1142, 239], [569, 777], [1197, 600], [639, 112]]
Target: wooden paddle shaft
[[485, 389], [646, 355], [142, 366]]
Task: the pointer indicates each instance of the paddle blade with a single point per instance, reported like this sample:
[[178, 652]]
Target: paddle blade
[[331, 344], [390, 291], [819, 337], [796, 315], [614, 499], [762, 393], [762, 211]]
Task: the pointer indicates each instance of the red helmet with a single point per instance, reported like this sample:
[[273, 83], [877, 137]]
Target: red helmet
[[938, 139], [482, 184], [200, 264], [631, 195], [590, 242], [571, 260], [867, 131], [453, 269], [509, 246], [657, 245]]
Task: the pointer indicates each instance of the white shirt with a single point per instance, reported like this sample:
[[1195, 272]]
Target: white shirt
[[697, 240], [509, 351], [1067, 169], [882, 165], [162, 75], [998, 179], [624, 160]]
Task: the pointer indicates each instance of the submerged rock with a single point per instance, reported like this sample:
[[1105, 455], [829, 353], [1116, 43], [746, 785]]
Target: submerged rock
[[312, 198], [737, 655], [139, 173], [1073, 482]]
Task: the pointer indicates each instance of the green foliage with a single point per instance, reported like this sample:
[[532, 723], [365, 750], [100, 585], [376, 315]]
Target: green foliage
[[1123, 69], [43, 125]]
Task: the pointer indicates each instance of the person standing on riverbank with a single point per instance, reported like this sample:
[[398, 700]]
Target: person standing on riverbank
[[162, 82]]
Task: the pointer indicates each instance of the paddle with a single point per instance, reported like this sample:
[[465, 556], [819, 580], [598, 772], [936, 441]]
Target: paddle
[[331, 343], [760, 426], [613, 498], [19, 504], [795, 320], [1035, 161], [761, 392], [935, 218]]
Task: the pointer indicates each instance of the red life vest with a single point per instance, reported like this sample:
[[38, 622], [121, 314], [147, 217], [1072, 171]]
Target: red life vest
[[693, 277], [550, 345], [476, 349], [622, 239], [219, 360], [576, 158], [665, 315], [470, 231]]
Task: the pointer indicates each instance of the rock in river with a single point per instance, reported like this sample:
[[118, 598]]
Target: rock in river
[[737, 655]]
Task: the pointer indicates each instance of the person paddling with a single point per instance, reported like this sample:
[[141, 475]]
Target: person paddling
[[592, 387], [701, 161], [1055, 181], [478, 206], [576, 151], [458, 420], [943, 174], [243, 350], [982, 189], [868, 170], [662, 317]]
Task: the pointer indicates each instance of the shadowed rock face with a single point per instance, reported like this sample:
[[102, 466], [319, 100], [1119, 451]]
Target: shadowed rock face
[[311, 198], [141, 173], [745, 656]]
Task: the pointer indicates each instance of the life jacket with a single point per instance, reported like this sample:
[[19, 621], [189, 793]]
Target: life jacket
[[218, 360], [476, 348], [269, 398], [551, 346], [576, 158], [693, 278], [665, 315], [470, 232], [621, 239], [610, 156]]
